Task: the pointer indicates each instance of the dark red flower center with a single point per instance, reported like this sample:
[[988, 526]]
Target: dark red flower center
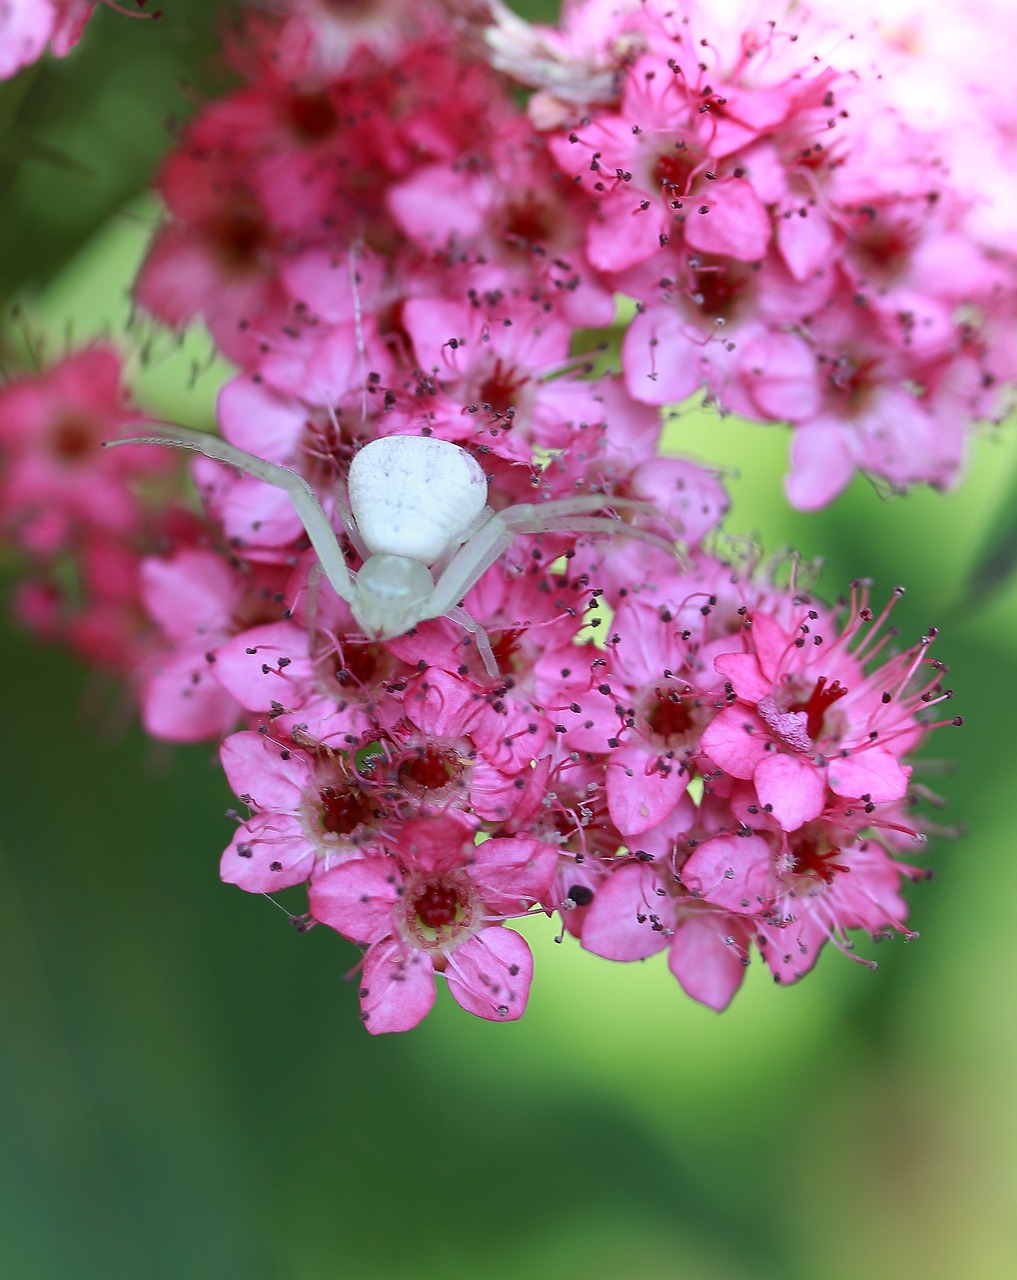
[[500, 389], [816, 705], [357, 665], [343, 809], [506, 646], [311, 115], [437, 904], [527, 221], [810, 860], [239, 238], [73, 439], [432, 768], [718, 287], [673, 171], [668, 716]]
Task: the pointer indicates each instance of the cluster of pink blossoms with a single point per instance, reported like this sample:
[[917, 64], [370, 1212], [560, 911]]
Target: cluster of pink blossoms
[[30, 28], [795, 238], [676, 752]]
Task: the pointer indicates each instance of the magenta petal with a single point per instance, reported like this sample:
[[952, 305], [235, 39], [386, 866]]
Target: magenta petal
[[742, 670], [793, 788], [268, 852], [513, 874], [640, 796], [241, 663], [258, 769], [737, 741], [397, 989], [821, 466], [874, 772], [772, 645], [181, 702], [357, 898], [733, 872], [624, 921], [708, 966], [490, 975], [735, 224]]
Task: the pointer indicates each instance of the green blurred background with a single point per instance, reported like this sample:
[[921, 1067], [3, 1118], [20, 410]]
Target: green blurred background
[[185, 1088]]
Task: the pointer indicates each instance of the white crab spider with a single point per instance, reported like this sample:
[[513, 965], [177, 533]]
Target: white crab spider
[[416, 504]]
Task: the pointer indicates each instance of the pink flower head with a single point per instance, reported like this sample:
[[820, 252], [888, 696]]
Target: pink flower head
[[805, 720], [27, 27], [432, 901], [805, 889], [57, 483]]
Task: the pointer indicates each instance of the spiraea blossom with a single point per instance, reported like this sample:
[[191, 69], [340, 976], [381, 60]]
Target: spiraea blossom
[[797, 240], [621, 724], [30, 28]]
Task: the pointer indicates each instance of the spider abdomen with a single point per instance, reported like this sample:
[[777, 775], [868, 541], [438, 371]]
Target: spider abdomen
[[415, 496]]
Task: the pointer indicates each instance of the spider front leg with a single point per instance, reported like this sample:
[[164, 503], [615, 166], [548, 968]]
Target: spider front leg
[[490, 542], [305, 502]]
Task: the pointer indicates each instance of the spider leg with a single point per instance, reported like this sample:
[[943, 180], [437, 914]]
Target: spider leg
[[303, 497], [493, 539], [564, 515], [470, 624], [468, 565]]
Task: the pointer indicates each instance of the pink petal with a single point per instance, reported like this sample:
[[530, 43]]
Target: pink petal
[[733, 872], [267, 852], [640, 795], [708, 967], [490, 975], [513, 874], [736, 740], [629, 916], [792, 787], [269, 775], [736, 224], [874, 772], [181, 702], [358, 898], [243, 673], [397, 989]]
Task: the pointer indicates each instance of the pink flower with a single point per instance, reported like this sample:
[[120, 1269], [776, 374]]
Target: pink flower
[[27, 27], [430, 902], [822, 882], [637, 913], [806, 720], [57, 482]]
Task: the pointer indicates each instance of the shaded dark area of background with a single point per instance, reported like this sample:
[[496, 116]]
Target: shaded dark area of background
[[185, 1088]]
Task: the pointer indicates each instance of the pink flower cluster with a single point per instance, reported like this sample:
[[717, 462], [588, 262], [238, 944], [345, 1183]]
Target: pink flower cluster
[[29, 27], [795, 238], [677, 752], [76, 513]]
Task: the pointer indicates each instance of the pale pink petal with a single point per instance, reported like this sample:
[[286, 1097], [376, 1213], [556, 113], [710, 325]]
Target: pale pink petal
[[708, 958], [875, 773], [182, 702], [267, 852], [397, 988], [358, 898], [642, 790], [513, 874], [490, 975], [736, 740], [733, 872], [266, 665], [735, 223], [271, 776], [792, 788], [630, 916]]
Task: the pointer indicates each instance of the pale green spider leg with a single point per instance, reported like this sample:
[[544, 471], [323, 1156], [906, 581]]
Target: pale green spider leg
[[308, 508]]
